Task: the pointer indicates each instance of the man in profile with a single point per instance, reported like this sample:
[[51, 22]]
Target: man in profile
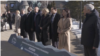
[[91, 30]]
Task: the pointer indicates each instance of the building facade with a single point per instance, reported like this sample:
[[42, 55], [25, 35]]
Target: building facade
[[2, 6], [16, 4]]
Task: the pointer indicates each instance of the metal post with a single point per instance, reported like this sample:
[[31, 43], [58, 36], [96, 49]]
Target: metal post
[[80, 15]]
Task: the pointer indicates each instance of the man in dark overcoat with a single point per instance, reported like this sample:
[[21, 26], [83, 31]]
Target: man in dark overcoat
[[55, 17], [90, 30]]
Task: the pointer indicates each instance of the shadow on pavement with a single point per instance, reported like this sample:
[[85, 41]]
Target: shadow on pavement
[[78, 48], [8, 49]]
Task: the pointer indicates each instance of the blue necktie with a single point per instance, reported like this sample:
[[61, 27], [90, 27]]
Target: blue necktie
[[53, 18], [35, 17]]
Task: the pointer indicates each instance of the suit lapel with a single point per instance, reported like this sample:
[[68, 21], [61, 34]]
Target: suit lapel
[[55, 18], [37, 15]]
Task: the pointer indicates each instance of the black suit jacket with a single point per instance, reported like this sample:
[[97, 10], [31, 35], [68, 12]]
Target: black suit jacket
[[37, 22], [22, 22], [29, 23], [9, 17], [55, 26], [91, 30]]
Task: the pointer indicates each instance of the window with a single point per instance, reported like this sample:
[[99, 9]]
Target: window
[[12, 5]]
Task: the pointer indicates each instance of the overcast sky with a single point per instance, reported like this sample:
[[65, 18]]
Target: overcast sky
[[66, 0]]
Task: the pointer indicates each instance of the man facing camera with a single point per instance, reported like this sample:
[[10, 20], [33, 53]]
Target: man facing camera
[[36, 20], [91, 30], [55, 17]]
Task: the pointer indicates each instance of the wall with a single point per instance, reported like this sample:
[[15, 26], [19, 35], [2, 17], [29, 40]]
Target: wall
[[3, 4]]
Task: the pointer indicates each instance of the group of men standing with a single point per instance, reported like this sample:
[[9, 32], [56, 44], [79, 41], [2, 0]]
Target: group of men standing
[[90, 30], [31, 21], [45, 26]]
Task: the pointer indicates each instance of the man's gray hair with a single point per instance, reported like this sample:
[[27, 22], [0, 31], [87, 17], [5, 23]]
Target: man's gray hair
[[89, 6]]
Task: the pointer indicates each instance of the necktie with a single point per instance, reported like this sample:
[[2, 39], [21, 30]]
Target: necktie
[[35, 19], [53, 18]]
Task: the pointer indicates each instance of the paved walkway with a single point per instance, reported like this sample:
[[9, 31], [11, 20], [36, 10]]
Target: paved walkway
[[8, 49], [75, 48]]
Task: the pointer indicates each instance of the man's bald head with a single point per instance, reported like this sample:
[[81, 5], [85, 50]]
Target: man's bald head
[[36, 9]]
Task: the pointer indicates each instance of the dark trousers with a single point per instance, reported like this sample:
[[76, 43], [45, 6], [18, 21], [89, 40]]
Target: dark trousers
[[1, 26], [10, 25], [54, 43], [89, 51], [38, 36], [25, 36], [23, 33], [31, 36], [45, 38]]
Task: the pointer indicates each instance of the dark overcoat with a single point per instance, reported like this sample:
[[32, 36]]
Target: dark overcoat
[[91, 30], [22, 24], [29, 22], [53, 27], [45, 21]]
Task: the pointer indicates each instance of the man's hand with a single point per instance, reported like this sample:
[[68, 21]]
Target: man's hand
[[61, 31], [41, 28], [31, 29], [94, 48]]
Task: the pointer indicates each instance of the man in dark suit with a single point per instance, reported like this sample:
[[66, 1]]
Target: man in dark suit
[[55, 17], [13, 17], [22, 23], [9, 19], [37, 18], [91, 30], [5, 19], [29, 24]]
